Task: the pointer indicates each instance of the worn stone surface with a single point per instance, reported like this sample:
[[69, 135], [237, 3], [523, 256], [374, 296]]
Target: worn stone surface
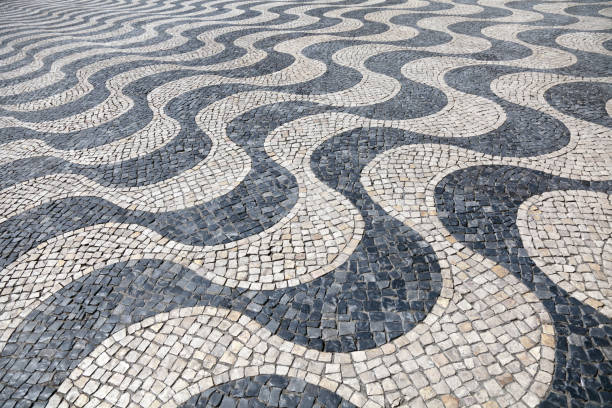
[[354, 203]]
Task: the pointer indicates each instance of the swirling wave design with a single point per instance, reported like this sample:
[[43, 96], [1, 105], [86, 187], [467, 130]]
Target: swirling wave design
[[370, 203]]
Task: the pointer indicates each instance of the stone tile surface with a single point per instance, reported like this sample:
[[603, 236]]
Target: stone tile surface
[[326, 203]]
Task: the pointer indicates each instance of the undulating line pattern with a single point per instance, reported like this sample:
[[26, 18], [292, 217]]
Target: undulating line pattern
[[314, 203]]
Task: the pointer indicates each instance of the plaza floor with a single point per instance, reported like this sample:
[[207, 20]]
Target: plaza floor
[[354, 203]]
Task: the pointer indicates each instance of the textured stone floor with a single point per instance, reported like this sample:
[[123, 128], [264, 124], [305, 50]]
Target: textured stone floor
[[354, 203]]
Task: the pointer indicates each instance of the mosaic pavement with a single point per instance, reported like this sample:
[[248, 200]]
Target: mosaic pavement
[[313, 203]]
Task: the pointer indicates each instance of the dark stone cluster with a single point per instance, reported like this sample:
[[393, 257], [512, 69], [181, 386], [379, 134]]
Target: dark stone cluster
[[264, 391]]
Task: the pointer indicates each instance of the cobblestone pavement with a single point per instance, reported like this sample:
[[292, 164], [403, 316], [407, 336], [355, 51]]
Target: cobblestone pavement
[[305, 203]]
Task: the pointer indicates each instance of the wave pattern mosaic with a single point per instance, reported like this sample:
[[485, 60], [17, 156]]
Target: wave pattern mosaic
[[326, 203]]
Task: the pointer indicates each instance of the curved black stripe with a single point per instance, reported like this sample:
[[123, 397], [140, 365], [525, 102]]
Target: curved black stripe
[[267, 391], [583, 100], [479, 205]]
